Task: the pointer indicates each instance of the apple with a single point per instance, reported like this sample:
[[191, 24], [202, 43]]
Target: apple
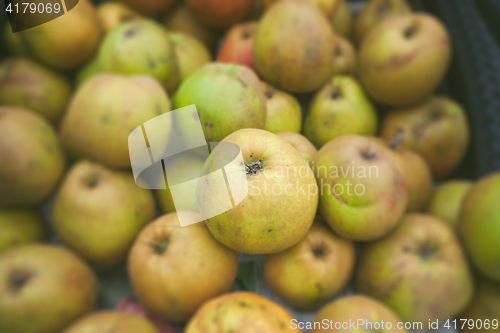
[[191, 54], [220, 14], [27, 84], [44, 288], [240, 312], [98, 212], [85, 72], [13, 42], [362, 193], [446, 200], [339, 108], [366, 311], [237, 46], [404, 58], [479, 225], [283, 110], [149, 6], [436, 128], [375, 12], [20, 226], [32, 158], [111, 321], [174, 270], [344, 57], [312, 271], [415, 269], [278, 193], [113, 13], [300, 142]]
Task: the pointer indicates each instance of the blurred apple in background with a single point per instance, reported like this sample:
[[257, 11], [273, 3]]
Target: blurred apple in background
[[220, 14], [415, 269], [283, 110], [32, 158], [446, 200], [20, 226], [113, 13], [344, 57], [190, 53], [149, 6], [300, 142], [13, 42], [44, 288], [111, 321], [237, 46]]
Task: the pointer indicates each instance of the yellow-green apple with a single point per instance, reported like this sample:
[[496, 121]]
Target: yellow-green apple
[[217, 90], [174, 269], [339, 108], [362, 193], [113, 13], [13, 42], [44, 288], [293, 46], [104, 111], [375, 12], [283, 112], [190, 166], [419, 270], [27, 84], [483, 312], [140, 47], [149, 6], [312, 271], [111, 321], [190, 53], [181, 19], [237, 46], [20, 226], [98, 212], [360, 309], [446, 200], [479, 225], [32, 158], [436, 128], [278, 192], [403, 59], [240, 312], [67, 41], [344, 57], [220, 14], [300, 142]]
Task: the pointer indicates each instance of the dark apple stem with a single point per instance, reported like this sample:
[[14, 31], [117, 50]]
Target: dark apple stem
[[396, 140]]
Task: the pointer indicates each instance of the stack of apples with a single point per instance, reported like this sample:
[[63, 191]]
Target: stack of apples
[[349, 187]]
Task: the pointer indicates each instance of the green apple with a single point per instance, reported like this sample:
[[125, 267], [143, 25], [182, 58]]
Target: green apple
[[300, 142], [190, 53], [13, 42], [283, 110], [111, 321], [20, 226], [344, 57], [114, 13], [446, 200], [339, 108]]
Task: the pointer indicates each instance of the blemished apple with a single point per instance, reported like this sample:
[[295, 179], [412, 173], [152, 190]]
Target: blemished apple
[[103, 112], [415, 269], [240, 312], [281, 199], [78, 36], [220, 14], [339, 108], [191, 54], [174, 269], [437, 129], [149, 6], [20, 226], [375, 12], [360, 309], [113, 13], [27, 84], [293, 46], [344, 57], [237, 46], [45, 283], [362, 193], [300, 142], [479, 225], [32, 157], [98, 212], [312, 271], [283, 112], [404, 58], [446, 200], [111, 321]]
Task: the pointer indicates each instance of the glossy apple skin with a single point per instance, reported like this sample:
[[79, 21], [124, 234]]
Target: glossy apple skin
[[111, 321], [172, 282], [364, 204], [403, 59], [479, 225], [220, 14], [300, 142], [437, 129], [240, 312], [446, 200], [56, 289], [237, 46], [354, 307], [419, 270], [20, 226], [283, 112], [313, 270]]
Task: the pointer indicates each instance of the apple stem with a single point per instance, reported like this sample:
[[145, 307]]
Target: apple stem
[[159, 246], [397, 139]]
